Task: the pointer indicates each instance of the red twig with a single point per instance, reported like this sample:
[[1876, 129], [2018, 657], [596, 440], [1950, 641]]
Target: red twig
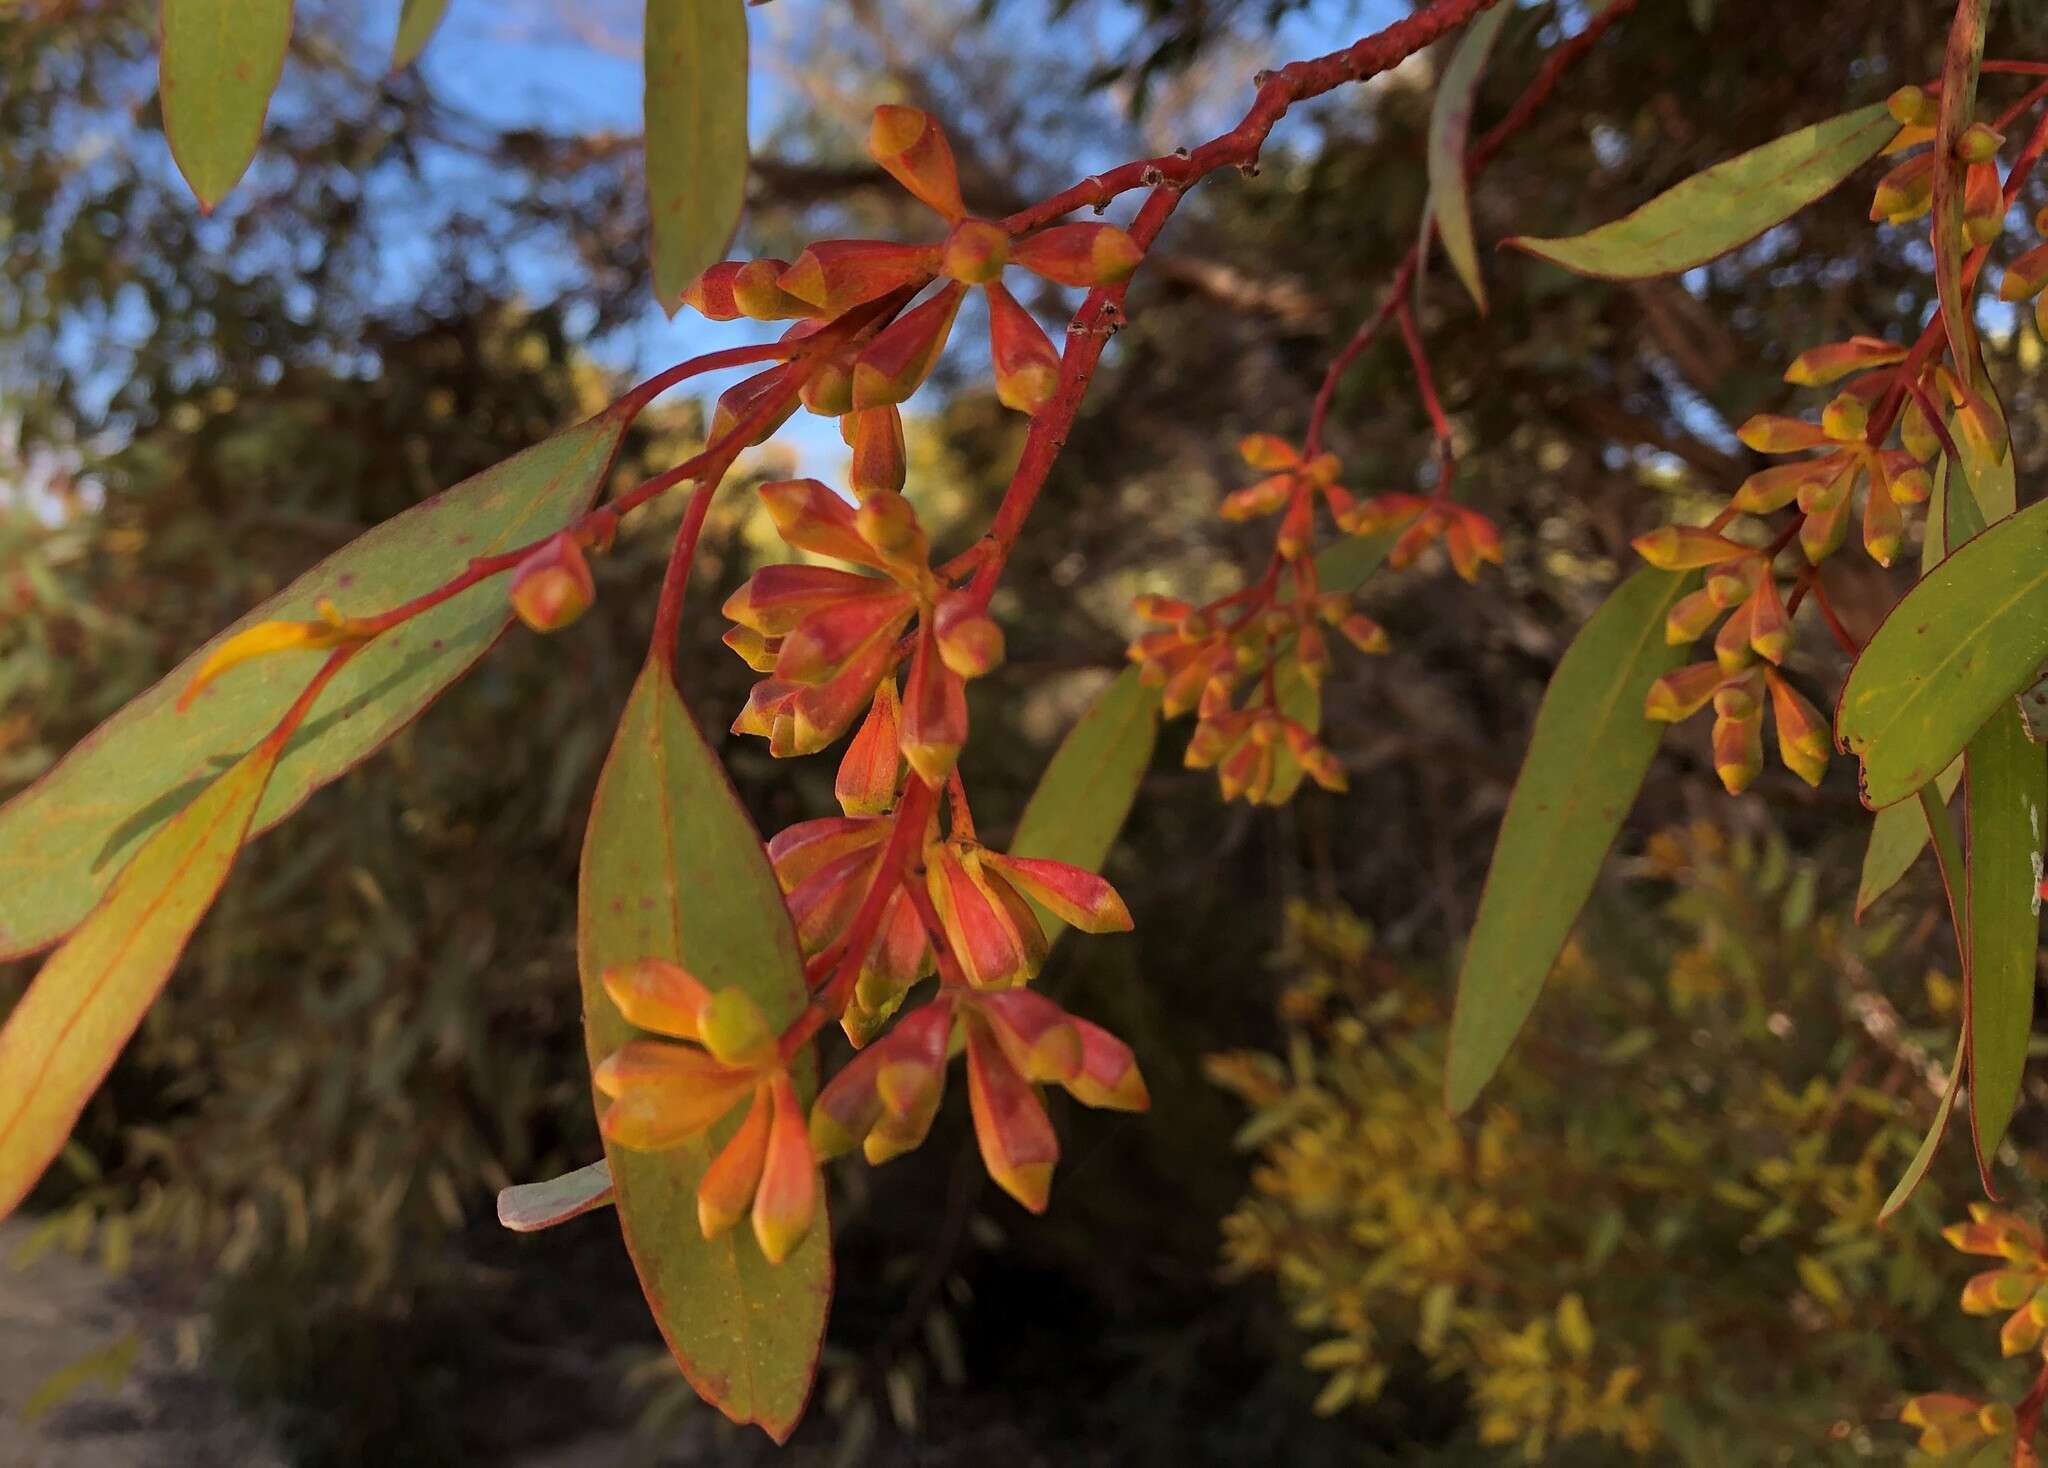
[[1425, 384], [668, 613]]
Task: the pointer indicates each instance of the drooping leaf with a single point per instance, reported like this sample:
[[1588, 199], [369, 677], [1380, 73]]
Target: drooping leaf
[[416, 25], [1090, 782], [221, 61], [1898, 834], [2006, 797], [64, 1034], [63, 839], [673, 868], [1724, 206], [696, 63], [529, 1207], [1916, 1170], [1450, 123], [1588, 756], [1971, 634]]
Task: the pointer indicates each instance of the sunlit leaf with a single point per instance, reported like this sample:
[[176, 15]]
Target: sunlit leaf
[[1090, 782], [1587, 758], [63, 839], [1724, 206], [1450, 123], [1971, 634], [2006, 797], [416, 25], [528, 1207], [64, 1034], [696, 61], [221, 61], [673, 868]]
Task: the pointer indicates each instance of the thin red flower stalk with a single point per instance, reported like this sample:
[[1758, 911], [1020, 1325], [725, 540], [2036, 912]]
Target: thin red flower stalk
[[1425, 384], [281, 734]]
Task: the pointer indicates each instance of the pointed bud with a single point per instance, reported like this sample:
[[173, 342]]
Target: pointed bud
[[1689, 619], [970, 642], [837, 275], [1907, 483], [553, 587], [664, 1094], [1738, 750], [1983, 204], [729, 1183], [1916, 433], [1075, 896], [1770, 490], [1364, 633], [1312, 654], [1730, 583], [732, 1027], [1167, 609], [1027, 365], [1802, 732], [2021, 1333], [821, 712], [1884, 528], [888, 523], [1079, 254], [1906, 193], [756, 651], [710, 295], [1269, 452], [768, 703], [828, 391], [1998, 1290], [1769, 631], [1910, 106], [1819, 366], [1681, 694], [802, 851], [1773, 433], [1845, 417], [743, 400], [1686, 548], [1731, 644], [2026, 276], [1254, 500], [1038, 1036], [1824, 529], [1981, 422], [654, 994], [1472, 542], [776, 598], [934, 713], [912, 149], [1018, 1146], [830, 640], [895, 364], [868, 772], [759, 296], [1297, 529], [879, 460], [1109, 1077], [787, 1198], [911, 1080], [1979, 143], [992, 931], [975, 252], [811, 517]]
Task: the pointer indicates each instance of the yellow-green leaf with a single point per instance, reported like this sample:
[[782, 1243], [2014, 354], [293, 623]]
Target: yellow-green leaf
[[1916, 1170], [1972, 633], [1724, 206], [416, 26], [1089, 784], [221, 61], [63, 1036], [1587, 758], [529, 1207], [2006, 797], [1898, 834], [63, 839], [673, 868], [696, 63], [1450, 123]]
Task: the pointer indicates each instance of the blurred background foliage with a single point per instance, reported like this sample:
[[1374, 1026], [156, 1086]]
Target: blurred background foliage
[[379, 1027]]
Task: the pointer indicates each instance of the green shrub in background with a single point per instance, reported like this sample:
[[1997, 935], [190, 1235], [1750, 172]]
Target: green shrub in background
[[1658, 1236]]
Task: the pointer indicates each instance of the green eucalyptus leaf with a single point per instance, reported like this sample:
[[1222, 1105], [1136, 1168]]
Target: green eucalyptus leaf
[[2006, 797], [1450, 124], [221, 61], [696, 64], [416, 25]]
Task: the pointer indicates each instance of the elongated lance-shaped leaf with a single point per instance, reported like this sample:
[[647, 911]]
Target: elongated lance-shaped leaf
[[673, 869], [221, 61], [63, 839], [2006, 797], [1971, 634], [1089, 785], [417, 22], [696, 63], [1450, 123], [529, 1207], [1916, 1170], [1587, 759], [64, 1034], [1724, 206]]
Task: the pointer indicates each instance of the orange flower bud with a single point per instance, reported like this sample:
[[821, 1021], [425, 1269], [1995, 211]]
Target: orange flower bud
[[664, 1094], [729, 1183], [888, 523], [1166, 609], [1905, 481], [1738, 750], [1018, 1146], [1802, 732], [1983, 204], [1689, 619], [1269, 452], [1075, 896], [2026, 276], [776, 598], [654, 994], [552, 587], [912, 149], [1297, 529], [829, 639], [934, 713], [1364, 633], [975, 252], [2021, 1332], [1825, 527], [1731, 645], [332, 630], [756, 651], [970, 642], [1916, 433], [811, 517], [879, 460], [1253, 500], [802, 851], [757, 293], [742, 399], [787, 1199], [990, 928], [1386, 512], [1845, 417], [770, 703], [821, 712], [1312, 654], [1819, 366], [895, 364], [1773, 433], [1038, 1036], [732, 1027], [1079, 254], [710, 295], [1686, 548], [1731, 582], [1906, 193], [1884, 528], [1910, 106], [1999, 1289], [837, 275], [1979, 143], [828, 391], [1109, 1077], [1980, 421], [1472, 541], [1027, 365], [868, 773], [1681, 694], [1769, 631]]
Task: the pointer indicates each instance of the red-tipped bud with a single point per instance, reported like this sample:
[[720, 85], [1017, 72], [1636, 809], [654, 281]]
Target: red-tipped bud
[[1819, 366], [710, 295], [1076, 897], [1263, 498], [833, 637], [837, 275], [729, 1183], [1773, 433], [1983, 203], [664, 1094], [990, 928], [1269, 452], [1686, 548], [888, 523], [1027, 365], [756, 651], [1802, 732], [1682, 694], [787, 1198], [1018, 1146], [975, 252], [1109, 1076], [879, 460], [770, 703], [821, 712], [1731, 582], [1689, 619], [811, 517], [1738, 750], [1385, 512], [1907, 484], [1079, 254], [1472, 541], [895, 364], [1769, 631], [970, 642], [1731, 644], [1363, 633], [912, 149], [553, 587], [776, 598], [802, 851], [1038, 1036], [654, 994], [743, 400], [868, 772], [934, 713], [2026, 276]]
